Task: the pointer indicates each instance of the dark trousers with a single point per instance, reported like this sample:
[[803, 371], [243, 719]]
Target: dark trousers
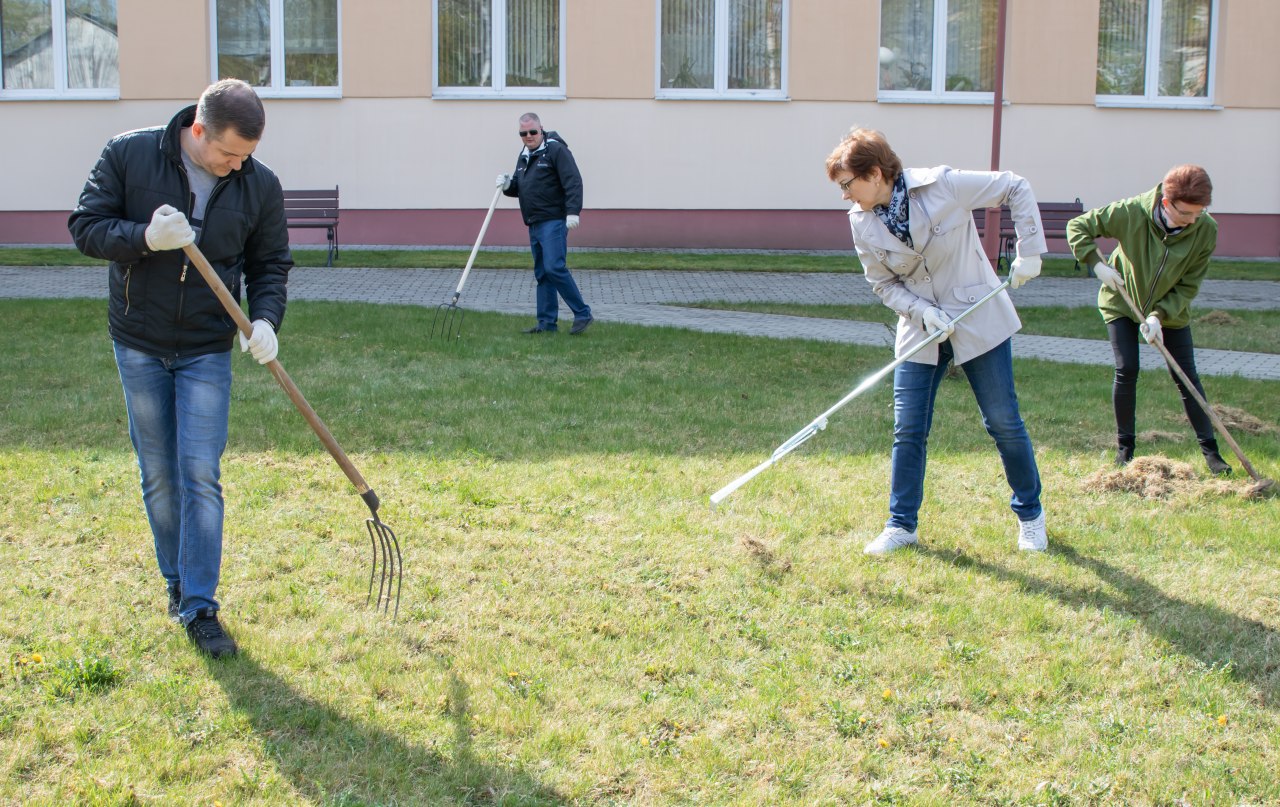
[[1125, 339]]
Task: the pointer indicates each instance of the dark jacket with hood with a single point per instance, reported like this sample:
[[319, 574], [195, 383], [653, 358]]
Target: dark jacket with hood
[[158, 304], [547, 182]]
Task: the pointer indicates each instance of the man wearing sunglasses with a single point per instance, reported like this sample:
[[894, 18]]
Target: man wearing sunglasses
[[549, 187], [1166, 238]]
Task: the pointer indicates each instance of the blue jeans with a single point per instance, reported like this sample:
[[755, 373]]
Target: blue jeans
[[549, 241], [915, 387], [178, 410]]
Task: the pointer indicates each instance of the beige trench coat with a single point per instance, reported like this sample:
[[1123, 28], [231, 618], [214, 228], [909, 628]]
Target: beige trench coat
[[947, 268]]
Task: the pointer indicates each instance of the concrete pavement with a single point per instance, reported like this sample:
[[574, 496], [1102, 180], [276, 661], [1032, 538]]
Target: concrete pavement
[[656, 298]]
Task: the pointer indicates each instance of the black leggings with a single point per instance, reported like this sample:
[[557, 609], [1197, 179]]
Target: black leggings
[[1125, 338]]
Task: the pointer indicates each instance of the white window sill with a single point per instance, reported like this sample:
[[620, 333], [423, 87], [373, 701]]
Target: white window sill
[[712, 95], [55, 95], [1134, 102], [484, 94], [299, 92], [970, 98]]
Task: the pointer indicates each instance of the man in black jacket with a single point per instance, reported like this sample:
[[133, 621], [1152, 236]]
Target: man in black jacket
[[152, 192], [549, 187]]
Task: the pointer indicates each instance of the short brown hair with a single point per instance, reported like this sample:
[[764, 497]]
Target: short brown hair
[[860, 151], [231, 104], [1187, 183]]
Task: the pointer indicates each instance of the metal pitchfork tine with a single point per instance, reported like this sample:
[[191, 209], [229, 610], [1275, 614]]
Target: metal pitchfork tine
[[384, 540], [448, 315]]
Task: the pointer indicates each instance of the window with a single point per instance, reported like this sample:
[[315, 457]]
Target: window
[[510, 48], [938, 50], [722, 48], [282, 47], [1174, 70], [59, 49]]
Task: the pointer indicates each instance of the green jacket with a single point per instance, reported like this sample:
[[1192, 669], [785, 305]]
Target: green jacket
[[1162, 272]]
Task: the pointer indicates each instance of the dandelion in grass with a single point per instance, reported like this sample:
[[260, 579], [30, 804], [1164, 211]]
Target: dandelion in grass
[[36, 658], [1222, 720], [887, 694], [883, 743]]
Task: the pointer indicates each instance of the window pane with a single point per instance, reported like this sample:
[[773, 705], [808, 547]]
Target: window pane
[[971, 45], [533, 43], [311, 43], [93, 60], [244, 41], [26, 39], [1122, 47], [906, 45], [1184, 48], [688, 44], [755, 44], [464, 44]]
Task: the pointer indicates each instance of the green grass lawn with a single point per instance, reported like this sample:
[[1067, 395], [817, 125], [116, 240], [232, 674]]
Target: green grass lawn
[[579, 627]]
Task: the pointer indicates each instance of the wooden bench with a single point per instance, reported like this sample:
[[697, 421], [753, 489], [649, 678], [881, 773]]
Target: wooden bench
[[312, 209], [1053, 216]]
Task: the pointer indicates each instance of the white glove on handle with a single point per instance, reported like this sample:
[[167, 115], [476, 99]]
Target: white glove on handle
[[1109, 277], [169, 229], [503, 181], [1023, 269], [571, 221], [263, 343], [935, 319], [1151, 329]]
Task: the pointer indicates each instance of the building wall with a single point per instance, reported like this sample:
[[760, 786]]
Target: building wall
[[418, 170]]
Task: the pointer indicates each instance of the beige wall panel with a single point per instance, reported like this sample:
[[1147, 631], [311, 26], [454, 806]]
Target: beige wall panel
[[834, 50], [1249, 62], [164, 49], [1051, 53], [611, 49], [386, 48]]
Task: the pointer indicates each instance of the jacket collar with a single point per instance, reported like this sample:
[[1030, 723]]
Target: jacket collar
[[171, 143], [868, 227]]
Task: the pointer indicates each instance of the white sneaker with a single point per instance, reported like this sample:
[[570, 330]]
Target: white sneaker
[[891, 539], [1032, 536]]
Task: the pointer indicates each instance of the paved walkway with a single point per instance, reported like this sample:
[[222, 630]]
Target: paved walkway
[[655, 298]]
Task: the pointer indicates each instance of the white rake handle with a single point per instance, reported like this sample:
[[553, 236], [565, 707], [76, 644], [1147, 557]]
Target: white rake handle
[[470, 260], [820, 422]]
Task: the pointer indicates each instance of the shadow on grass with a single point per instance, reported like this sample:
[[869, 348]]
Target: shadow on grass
[[331, 758], [1216, 638]]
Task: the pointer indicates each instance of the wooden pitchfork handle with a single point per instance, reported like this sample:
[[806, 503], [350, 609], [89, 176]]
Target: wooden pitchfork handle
[[1191, 388], [313, 420]]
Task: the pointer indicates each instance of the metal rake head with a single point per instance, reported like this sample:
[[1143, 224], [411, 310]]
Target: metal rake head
[[448, 321], [386, 565]]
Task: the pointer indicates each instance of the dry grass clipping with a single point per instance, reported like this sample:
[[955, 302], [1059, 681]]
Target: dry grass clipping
[[1219, 317], [1153, 477], [1155, 435], [1240, 420], [762, 554]]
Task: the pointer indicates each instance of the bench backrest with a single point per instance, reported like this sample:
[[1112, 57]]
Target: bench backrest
[[311, 205], [1053, 215]]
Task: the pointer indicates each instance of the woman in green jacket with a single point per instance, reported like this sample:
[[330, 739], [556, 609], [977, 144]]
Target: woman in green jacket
[[1166, 239]]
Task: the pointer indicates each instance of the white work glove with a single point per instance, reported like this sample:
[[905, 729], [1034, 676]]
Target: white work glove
[[1023, 269], [571, 221], [935, 319], [1151, 329], [1109, 277], [169, 229], [263, 343], [503, 181]]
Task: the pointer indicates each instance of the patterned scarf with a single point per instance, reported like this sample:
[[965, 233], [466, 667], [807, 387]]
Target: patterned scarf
[[897, 214]]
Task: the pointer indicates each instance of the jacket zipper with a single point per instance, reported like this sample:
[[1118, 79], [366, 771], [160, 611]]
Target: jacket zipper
[[128, 276], [186, 262]]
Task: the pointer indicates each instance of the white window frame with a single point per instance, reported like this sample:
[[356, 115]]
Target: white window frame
[[60, 91], [498, 41], [939, 77], [720, 74], [1149, 98], [278, 89]]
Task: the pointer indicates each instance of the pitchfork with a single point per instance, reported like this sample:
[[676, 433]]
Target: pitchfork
[[449, 315], [386, 549]]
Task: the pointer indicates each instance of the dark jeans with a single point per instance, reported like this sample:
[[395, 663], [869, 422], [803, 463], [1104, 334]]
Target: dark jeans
[[549, 242], [1125, 339]]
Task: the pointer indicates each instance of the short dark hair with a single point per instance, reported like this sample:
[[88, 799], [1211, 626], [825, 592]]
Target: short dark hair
[[231, 104], [1188, 183], [862, 150]]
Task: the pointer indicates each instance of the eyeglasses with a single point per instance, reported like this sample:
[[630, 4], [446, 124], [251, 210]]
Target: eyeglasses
[[530, 132], [1185, 213], [844, 186]]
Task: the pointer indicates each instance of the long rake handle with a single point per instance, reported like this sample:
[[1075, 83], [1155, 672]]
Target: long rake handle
[[1191, 388], [471, 259], [820, 422], [313, 420]]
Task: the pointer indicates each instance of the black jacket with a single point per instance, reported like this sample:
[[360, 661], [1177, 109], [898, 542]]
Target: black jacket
[[158, 304], [547, 182]]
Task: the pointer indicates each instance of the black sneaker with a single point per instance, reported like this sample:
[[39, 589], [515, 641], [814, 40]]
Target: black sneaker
[[206, 631], [539, 329], [1124, 455], [1217, 465], [175, 602], [580, 325]]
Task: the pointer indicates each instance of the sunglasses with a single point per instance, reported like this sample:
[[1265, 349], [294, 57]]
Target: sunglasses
[[528, 133]]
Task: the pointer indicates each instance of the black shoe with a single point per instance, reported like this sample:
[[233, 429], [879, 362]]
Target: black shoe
[[206, 631], [1124, 455], [175, 602], [538, 329], [1217, 465], [580, 325]]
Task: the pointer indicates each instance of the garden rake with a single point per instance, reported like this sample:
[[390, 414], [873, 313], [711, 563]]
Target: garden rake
[[386, 567], [1260, 484], [820, 422], [448, 315]]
